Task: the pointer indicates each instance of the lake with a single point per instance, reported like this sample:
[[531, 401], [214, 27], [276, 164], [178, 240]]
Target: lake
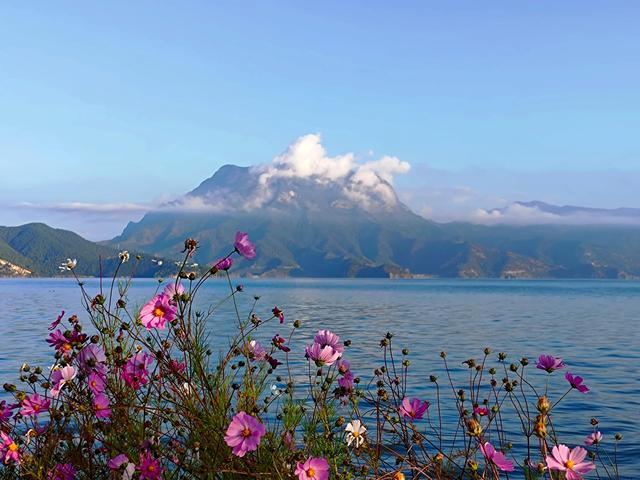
[[593, 325]]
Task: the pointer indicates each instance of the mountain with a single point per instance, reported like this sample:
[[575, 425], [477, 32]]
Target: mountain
[[312, 221], [36, 249]]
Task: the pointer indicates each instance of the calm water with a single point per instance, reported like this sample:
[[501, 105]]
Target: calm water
[[593, 325]]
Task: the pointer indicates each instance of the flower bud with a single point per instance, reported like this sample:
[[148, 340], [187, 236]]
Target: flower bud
[[543, 405]]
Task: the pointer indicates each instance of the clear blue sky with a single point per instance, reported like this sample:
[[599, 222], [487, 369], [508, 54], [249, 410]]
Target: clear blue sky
[[129, 101]]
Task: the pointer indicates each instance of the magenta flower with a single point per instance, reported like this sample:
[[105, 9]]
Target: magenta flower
[[576, 382], [414, 408], [177, 367], [93, 358], [62, 471], [60, 377], [327, 337], [314, 468], [64, 342], [549, 363], [57, 321], [321, 355], [96, 383], [256, 351], [6, 411], [278, 313], [34, 405], [135, 371], [244, 246], [569, 461], [9, 448], [101, 406], [593, 439], [243, 434], [346, 381], [279, 343], [149, 468], [343, 366], [481, 411], [224, 263], [496, 458], [157, 312]]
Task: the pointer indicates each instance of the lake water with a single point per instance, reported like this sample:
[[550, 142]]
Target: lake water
[[593, 325]]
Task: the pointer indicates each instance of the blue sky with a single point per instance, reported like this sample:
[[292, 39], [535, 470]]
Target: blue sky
[[132, 102]]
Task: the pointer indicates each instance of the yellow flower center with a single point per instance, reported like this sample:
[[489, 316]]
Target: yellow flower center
[[13, 447], [67, 347], [36, 407], [158, 312], [246, 433], [356, 434], [311, 473], [569, 464], [151, 468]]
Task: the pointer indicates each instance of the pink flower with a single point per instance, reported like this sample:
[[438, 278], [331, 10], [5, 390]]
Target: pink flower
[[9, 448], [256, 351], [481, 411], [6, 411], [60, 377], [101, 406], [177, 367], [321, 355], [279, 343], [157, 312], [116, 462], [96, 383], [136, 372], [173, 289], [496, 458], [62, 471], [224, 263], [64, 342], [149, 468], [549, 363], [34, 405], [244, 246], [576, 382], [414, 408], [57, 321], [278, 313], [314, 468], [327, 337], [343, 366], [243, 434], [569, 461], [593, 439], [93, 358], [346, 381]]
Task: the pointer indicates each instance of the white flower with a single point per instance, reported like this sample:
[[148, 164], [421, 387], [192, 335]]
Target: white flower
[[68, 265], [124, 256], [129, 470], [355, 432]]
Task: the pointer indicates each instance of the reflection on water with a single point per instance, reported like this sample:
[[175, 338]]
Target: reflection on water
[[593, 325]]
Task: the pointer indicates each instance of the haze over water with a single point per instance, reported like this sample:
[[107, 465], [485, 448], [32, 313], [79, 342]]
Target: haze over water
[[591, 324]]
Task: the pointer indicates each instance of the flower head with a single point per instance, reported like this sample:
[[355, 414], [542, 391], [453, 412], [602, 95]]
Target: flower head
[[593, 439], [96, 383], [92, 358], [243, 434], [6, 411], [101, 406], [576, 382], [157, 312], [481, 411], [135, 371], [224, 263], [278, 313], [57, 321], [244, 246], [496, 458], [355, 432], [171, 290], [313, 468], [116, 462], [321, 355], [328, 338], [62, 471], [149, 467], [34, 405], [10, 448], [571, 462], [279, 343], [256, 351], [549, 363], [61, 376], [68, 265], [123, 256], [414, 408]]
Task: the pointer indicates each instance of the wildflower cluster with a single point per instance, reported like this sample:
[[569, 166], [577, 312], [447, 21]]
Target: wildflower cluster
[[138, 394]]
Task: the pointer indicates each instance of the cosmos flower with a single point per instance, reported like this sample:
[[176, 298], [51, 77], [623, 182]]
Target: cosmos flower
[[135, 371], [496, 458], [68, 265], [355, 433], [279, 343], [243, 434], [62, 471], [224, 263], [481, 411], [59, 377], [256, 351], [576, 382], [327, 337], [314, 468], [96, 383], [157, 312], [92, 358], [123, 256], [593, 439], [171, 290], [116, 462], [549, 363], [10, 448], [278, 313], [57, 321], [6, 411], [149, 467], [414, 408], [34, 405], [571, 462], [321, 355], [244, 246], [101, 406]]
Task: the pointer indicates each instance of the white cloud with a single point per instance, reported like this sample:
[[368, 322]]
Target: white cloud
[[86, 207]]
